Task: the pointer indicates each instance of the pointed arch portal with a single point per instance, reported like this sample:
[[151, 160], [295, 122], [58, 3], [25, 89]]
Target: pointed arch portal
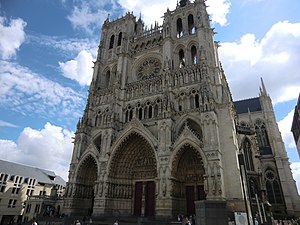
[[187, 180], [134, 170], [86, 180]]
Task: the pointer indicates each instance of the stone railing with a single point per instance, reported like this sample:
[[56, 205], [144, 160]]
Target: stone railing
[[185, 75], [157, 30], [143, 88]]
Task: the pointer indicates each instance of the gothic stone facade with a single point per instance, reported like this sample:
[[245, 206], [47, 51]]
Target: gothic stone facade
[[160, 129]]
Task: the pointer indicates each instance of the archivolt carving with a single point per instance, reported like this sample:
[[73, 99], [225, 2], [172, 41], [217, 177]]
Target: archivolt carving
[[87, 170], [134, 158], [86, 175], [135, 126], [191, 156], [187, 168]]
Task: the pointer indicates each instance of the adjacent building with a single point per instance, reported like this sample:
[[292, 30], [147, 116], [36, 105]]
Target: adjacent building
[[27, 192], [161, 135], [296, 125]]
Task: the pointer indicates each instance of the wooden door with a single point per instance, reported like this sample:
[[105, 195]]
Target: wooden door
[[190, 198], [150, 199], [138, 193]]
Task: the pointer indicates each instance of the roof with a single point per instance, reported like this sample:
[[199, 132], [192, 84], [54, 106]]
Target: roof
[[41, 175], [242, 106]]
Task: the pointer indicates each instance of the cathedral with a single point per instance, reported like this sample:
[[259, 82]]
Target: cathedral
[[161, 135]]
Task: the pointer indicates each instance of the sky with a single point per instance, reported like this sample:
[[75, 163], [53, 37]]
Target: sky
[[47, 49]]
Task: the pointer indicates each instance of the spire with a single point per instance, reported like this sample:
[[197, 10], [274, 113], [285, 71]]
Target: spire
[[250, 118], [263, 90]]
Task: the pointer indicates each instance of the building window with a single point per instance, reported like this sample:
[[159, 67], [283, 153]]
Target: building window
[[262, 138], [120, 39], [155, 110], [30, 187], [194, 55], [3, 180], [112, 40], [181, 59], [17, 185], [150, 112], [107, 78], [179, 28], [261, 133], [191, 24], [140, 113], [129, 114], [12, 203], [37, 208], [273, 187], [246, 146]]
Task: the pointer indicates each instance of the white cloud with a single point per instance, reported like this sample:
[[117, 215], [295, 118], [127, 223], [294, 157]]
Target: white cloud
[[79, 69], [88, 15], [151, 10], [285, 129], [218, 9], [12, 36], [24, 91], [273, 57], [65, 45], [154, 10], [84, 18], [295, 166], [49, 148], [6, 124]]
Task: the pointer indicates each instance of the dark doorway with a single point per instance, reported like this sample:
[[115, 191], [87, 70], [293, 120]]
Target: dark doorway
[[150, 199], [138, 199], [190, 198]]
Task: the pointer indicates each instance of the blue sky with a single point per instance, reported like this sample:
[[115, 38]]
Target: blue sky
[[47, 48]]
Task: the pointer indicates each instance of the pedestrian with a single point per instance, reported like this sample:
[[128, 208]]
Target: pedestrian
[[34, 222], [116, 222], [77, 222]]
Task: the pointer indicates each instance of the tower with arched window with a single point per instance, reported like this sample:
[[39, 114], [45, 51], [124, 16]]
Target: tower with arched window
[[161, 136]]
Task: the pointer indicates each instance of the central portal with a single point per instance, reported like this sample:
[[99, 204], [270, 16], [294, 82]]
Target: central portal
[[132, 178]]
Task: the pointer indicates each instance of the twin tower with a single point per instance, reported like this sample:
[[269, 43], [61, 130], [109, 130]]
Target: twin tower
[[161, 135]]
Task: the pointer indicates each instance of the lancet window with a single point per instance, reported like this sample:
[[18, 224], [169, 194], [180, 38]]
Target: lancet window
[[248, 154], [194, 100], [191, 24], [129, 114], [120, 39], [261, 133], [107, 78], [112, 40], [194, 55], [181, 59], [274, 192], [179, 28]]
